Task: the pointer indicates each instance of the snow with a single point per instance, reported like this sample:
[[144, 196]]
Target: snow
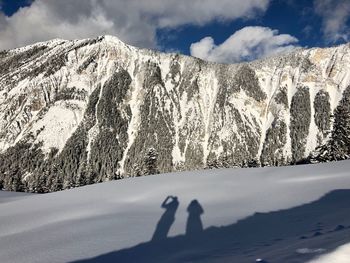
[[311, 143], [89, 221], [269, 86], [135, 103], [57, 126], [208, 92], [180, 119], [266, 125], [6, 197], [116, 215], [341, 255]]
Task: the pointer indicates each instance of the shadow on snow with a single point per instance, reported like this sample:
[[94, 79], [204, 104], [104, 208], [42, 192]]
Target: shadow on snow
[[293, 235]]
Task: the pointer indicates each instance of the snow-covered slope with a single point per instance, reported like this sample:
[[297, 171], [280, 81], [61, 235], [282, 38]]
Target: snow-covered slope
[[115, 217], [6, 197], [89, 110], [341, 255]]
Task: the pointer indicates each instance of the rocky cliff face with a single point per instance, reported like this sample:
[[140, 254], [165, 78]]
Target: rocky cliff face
[[78, 112]]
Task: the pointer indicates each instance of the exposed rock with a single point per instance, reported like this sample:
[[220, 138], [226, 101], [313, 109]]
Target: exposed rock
[[87, 111]]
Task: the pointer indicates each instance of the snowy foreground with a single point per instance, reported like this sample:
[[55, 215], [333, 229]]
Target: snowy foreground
[[115, 221]]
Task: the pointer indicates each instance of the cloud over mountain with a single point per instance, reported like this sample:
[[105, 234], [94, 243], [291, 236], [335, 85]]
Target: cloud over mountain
[[335, 15], [135, 22], [246, 44]]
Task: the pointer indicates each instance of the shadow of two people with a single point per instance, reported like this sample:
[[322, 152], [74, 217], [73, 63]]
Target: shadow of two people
[[194, 224], [276, 236]]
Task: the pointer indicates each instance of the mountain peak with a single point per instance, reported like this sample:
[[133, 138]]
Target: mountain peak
[[110, 38], [94, 107]]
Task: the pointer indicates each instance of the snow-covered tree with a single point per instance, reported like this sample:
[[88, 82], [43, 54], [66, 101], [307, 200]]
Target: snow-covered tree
[[150, 162], [57, 184], [40, 184], [17, 184], [338, 145], [340, 140]]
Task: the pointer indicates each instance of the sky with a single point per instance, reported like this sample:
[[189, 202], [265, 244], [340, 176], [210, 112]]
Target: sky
[[226, 31]]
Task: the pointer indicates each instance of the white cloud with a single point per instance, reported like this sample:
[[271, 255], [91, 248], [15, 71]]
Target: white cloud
[[340, 255], [246, 44], [133, 21], [335, 14]]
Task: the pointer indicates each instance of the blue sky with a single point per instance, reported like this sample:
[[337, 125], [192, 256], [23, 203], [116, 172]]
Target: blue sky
[[217, 30], [9, 7], [287, 18]]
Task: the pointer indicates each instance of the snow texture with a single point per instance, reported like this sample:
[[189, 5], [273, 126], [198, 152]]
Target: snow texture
[[89, 221], [341, 255]]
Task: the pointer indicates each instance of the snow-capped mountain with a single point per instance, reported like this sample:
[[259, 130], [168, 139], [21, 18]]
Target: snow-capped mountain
[[83, 111]]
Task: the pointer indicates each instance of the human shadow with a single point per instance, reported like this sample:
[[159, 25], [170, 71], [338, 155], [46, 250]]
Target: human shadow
[[170, 204], [293, 235], [194, 224]]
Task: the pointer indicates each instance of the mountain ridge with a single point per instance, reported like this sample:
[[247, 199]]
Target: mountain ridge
[[90, 110]]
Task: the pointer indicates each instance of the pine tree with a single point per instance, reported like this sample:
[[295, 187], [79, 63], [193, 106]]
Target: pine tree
[[338, 146], [340, 140], [150, 161], [253, 163], [40, 184], [68, 182], [213, 164], [113, 176], [81, 180], [224, 160], [17, 184], [137, 170], [7, 182], [57, 184]]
